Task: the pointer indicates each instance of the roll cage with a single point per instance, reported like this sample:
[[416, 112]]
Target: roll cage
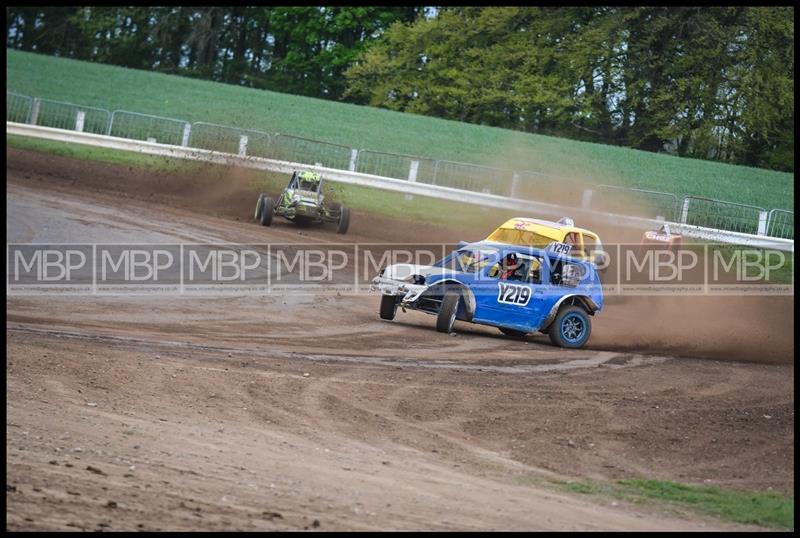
[[296, 182]]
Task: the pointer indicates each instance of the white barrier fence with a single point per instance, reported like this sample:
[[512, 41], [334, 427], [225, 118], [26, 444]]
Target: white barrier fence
[[398, 185]]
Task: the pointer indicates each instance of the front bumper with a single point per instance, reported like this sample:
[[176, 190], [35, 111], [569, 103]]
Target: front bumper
[[389, 286], [306, 210]]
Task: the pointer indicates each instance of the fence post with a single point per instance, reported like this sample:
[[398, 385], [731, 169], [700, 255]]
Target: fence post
[[586, 202], [35, 110], [187, 129], [353, 160], [412, 176], [111, 123], [685, 211], [762, 223], [514, 184], [243, 145], [80, 119]]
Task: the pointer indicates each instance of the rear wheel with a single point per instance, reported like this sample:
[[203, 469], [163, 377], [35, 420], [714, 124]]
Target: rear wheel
[[512, 332], [388, 306], [266, 211], [344, 221], [447, 312], [571, 328]]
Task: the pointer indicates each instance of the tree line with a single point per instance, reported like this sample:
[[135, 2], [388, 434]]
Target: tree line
[[705, 82], [299, 50]]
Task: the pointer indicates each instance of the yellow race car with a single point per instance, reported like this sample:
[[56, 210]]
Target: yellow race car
[[584, 244]]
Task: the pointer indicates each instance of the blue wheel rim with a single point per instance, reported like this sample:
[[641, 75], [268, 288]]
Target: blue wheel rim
[[573, 328]]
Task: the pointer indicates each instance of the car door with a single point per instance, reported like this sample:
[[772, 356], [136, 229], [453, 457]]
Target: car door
[[515, 302]]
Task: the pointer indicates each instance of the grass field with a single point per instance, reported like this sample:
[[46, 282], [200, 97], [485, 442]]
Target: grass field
[[767, 509], [362, 127]]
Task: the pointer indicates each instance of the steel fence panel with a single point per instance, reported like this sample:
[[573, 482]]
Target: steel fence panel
[[780, 223], [18, 107], [230, 139], [63, 115], [137, 126], [306, 150], [636, 202], [394, 165], [722, 215], [473, 177]]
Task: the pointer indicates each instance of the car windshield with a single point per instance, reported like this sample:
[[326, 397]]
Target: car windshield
[[514, 236], [467, 260]]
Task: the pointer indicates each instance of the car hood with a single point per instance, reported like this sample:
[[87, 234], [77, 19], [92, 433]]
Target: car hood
[[399, 271]]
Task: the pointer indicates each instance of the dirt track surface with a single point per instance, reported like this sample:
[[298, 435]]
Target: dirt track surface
[[285, 412]]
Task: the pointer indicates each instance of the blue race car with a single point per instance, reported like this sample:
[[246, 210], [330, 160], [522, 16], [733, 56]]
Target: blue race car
[[518, 289]]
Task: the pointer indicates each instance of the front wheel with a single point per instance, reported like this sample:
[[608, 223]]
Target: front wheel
[[266, 211], [447, 312], [388, 307], [257, 215], [571, 328]]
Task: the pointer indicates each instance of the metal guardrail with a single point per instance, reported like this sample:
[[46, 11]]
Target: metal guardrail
[[18, 107], [710, 213], [230, 139], [396, 185], [396, 165], [472, 177], [298, 149], [780, 223], [639, 202], [64, 115], [138, 126]]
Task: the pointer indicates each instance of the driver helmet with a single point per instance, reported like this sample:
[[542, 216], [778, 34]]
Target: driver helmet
[[511, 260], [309, 176], [308, 180]]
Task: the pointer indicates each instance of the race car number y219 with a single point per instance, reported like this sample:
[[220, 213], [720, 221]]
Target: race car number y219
[[511, 294]]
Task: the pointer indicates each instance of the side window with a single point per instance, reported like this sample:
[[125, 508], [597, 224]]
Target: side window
[[572, 274], [534, 271], [589, 245], [520, 273], [506, 271], [555, 272], [571, 239], [510, 267], [582, 247]]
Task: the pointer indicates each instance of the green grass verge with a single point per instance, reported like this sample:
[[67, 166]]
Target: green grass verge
[[766, 509], [113, 87]]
